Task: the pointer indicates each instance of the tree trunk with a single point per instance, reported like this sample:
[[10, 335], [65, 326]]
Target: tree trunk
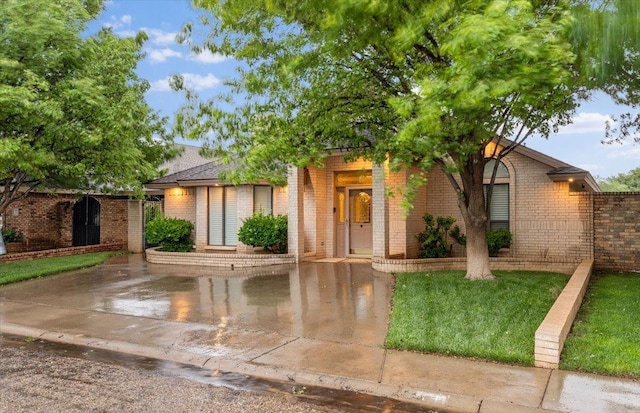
[[472, 206], [477, 253]]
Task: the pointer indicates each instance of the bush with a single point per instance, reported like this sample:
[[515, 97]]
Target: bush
[[171, 234], [12, 235], [434, 239], [265, 231], [496, 239]]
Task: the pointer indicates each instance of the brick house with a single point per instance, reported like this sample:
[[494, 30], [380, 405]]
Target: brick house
[[64, 218], [343, 209], [216, 207]]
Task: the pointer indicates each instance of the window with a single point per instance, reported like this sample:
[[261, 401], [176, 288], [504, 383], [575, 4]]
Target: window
[[263, 199], [499, 208], [223, 216]]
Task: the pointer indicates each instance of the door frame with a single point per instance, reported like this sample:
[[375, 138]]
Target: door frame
[[347, 230]]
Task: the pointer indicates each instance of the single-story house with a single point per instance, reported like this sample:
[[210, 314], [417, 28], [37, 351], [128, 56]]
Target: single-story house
[[215, 207], [53, 219], [344, 209]]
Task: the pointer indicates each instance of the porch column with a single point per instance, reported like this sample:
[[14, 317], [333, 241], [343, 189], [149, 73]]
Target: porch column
[[295, 188], [135, 226], [380, 215], [202, 218]]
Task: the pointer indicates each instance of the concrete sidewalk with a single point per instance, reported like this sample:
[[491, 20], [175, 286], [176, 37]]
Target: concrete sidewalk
[[304, 354]]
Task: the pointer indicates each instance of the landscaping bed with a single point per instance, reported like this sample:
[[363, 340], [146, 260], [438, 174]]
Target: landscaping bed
[[442, 312], [605, 337]]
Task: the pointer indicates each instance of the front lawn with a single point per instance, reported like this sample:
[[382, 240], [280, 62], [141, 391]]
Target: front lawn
[[606, 335], [441, 312], [23, 270]]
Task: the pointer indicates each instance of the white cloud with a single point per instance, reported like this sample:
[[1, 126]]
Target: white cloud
[[116, 22], [161, 55], [191, 80], [624, 152], [160, 37], [207, 57], [126, 33], [586, 123]]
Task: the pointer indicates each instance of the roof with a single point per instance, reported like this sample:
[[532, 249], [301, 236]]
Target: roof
[[580, 180], [195, 176], [189, 157]]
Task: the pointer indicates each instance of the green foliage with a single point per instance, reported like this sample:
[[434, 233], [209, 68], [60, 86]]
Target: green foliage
[[417, 82], [23, 270], [152, 210], [171, 234], [442, 312], [602, 339], [72, 109], [12, 235], [625, 182], [266, 231], [496, 239], [434, 239]]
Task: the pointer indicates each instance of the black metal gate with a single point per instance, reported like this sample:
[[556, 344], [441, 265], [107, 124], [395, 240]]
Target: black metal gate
[[86, 222], [153, 207]]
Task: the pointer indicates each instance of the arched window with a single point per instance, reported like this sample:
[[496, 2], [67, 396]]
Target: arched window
[[499, 209]]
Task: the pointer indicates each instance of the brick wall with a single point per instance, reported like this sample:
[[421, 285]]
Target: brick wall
[[180, 203], [616, 221], [546, 219], [46, 220], [62, 252]]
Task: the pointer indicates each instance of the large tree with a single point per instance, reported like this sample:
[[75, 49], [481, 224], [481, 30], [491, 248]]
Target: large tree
[[624, 182], [430, 82], [607, 35], [72, 109]]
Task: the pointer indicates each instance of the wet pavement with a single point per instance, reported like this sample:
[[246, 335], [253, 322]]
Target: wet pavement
[[316, 324]]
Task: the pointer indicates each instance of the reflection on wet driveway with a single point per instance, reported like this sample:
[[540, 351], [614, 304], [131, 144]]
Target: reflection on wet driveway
[[338, 302]]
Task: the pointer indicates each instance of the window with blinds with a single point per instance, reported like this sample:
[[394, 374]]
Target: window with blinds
[[499, 208], [263, 199], [223, 216]]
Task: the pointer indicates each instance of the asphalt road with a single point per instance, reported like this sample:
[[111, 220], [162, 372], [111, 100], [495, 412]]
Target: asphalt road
[[45, 377], [39, 376]]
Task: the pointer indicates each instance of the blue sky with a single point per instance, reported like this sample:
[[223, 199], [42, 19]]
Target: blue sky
[[578, 144]]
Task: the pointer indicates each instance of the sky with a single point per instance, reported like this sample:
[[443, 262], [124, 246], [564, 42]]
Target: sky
[[578, 144]]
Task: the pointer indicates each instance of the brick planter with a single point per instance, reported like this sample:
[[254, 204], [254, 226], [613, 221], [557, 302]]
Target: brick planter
[[217, 260]]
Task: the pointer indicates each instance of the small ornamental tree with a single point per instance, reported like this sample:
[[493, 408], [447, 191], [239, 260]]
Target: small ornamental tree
[[266, 231], [434, 240], [171, 234]]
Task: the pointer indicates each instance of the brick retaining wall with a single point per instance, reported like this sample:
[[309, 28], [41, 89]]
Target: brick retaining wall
[[62, 252], [500, 264], [205, 259]]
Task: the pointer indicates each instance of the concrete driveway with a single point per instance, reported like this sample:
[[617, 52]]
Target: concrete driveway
[[332, 317]]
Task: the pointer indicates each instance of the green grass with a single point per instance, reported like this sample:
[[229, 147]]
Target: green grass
[[441, 312], [606, 334], [11, 272]]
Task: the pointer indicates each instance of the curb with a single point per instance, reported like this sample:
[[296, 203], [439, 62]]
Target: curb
[[440, 401]]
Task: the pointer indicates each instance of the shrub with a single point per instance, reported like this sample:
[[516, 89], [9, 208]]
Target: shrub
[[496, 239], [434, 239], [171, 234], [12, 235], [267, 231]]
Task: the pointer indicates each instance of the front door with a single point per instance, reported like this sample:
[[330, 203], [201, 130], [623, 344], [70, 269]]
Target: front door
[[360, 233]]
